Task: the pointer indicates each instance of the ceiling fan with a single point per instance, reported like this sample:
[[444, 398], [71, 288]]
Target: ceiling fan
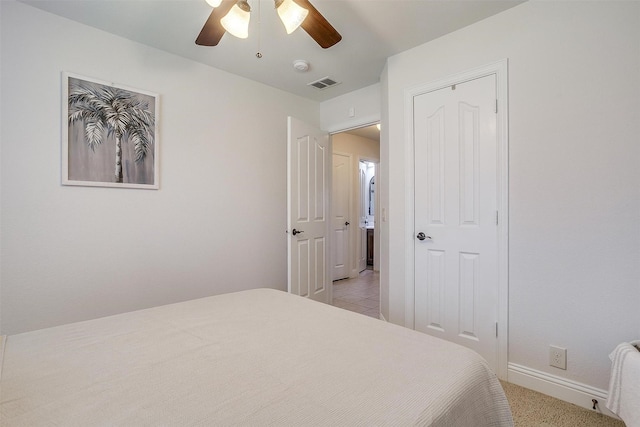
[[233, 16]]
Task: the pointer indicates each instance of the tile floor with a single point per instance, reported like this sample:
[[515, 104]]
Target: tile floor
[[360, 294]]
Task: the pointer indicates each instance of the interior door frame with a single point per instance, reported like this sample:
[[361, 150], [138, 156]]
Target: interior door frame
[[355, 124], [500, 70], [376, 215]]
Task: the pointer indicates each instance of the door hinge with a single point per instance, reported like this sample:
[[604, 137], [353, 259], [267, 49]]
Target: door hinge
[[496, 329], [496, 106], [497, 217]]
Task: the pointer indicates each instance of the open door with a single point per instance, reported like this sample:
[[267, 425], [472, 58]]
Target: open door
[[362, 216], [308, 172]]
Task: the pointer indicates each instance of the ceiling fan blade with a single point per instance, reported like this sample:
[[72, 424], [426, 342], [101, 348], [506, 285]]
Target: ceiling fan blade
[[213, 31], [318, 27]]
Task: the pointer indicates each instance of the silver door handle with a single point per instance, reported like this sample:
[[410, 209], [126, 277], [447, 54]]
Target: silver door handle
[[422, 236]]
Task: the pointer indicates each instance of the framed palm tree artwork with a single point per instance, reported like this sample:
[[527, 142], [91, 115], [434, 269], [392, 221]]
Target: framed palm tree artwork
[[110, 134]]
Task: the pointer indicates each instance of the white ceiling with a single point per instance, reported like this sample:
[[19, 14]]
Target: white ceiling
[[372, 30]]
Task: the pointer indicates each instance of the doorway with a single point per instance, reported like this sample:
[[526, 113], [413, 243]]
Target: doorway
[[356, 284], [366, 222]]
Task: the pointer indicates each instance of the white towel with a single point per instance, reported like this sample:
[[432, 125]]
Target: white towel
[[624, 384]]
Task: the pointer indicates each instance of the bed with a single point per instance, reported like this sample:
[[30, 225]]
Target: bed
[[256, 358]]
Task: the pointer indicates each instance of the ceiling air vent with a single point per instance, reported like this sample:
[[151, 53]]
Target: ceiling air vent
[[323, 83]]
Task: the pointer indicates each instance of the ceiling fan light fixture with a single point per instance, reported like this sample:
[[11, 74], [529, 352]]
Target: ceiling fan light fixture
[[214, 3], [291, 14], [236, 22]]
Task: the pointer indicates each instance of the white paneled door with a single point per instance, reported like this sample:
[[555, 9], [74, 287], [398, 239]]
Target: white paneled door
[[340, 220], [456, 233], [308, 213]]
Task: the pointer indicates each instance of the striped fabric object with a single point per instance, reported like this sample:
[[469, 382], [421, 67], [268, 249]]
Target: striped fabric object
[[624, 385]]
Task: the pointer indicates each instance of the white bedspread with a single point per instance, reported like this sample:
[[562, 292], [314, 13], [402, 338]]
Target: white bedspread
[[255, 358]]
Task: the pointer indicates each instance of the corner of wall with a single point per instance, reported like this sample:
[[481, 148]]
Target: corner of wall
[[561, 388], [383, 189]]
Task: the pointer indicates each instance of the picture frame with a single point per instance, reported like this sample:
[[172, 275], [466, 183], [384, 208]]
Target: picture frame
[[109, 134]]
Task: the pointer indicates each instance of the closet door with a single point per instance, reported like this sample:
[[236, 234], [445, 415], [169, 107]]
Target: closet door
[[456, 253]]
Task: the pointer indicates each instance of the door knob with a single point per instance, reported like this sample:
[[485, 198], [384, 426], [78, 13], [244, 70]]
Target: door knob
[[422, 236], [294, 232], [347, 223]]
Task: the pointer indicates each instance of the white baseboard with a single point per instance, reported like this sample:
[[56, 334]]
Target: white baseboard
[[558, 387]]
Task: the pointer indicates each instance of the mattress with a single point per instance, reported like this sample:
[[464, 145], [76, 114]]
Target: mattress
[[256, 358]]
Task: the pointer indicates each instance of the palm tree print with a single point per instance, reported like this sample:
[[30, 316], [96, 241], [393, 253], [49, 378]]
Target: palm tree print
[[109, 113]]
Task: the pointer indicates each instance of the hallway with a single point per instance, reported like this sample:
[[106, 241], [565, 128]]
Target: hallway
[[360, 294]]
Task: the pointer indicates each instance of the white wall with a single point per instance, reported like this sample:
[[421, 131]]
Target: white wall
[[216, 224], [363, 103], [574, 94]]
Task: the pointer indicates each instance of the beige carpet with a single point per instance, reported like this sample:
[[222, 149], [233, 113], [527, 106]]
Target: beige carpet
[[533, 409]]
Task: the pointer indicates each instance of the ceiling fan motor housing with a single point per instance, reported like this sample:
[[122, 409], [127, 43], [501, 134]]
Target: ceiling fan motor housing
[[314, 24]]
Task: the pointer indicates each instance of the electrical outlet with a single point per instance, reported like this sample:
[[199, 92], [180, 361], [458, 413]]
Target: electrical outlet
[[558, 357]]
